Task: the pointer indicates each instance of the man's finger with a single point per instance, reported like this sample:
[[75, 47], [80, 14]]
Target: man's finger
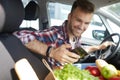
[[67, 46]]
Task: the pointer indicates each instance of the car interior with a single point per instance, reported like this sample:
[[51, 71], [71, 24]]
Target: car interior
[[12, 13]]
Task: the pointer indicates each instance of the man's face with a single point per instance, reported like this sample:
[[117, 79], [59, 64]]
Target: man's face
[[78, 22]]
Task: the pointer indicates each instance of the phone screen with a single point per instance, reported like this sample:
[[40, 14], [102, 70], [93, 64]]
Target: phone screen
[[80, 51]]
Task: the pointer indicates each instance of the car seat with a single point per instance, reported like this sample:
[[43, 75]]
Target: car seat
[[32, 11], [11, 48]]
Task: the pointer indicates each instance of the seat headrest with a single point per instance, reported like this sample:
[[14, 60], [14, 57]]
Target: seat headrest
[[11, 15], [32, 11]]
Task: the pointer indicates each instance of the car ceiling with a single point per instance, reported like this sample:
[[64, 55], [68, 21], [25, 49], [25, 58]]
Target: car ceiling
[[98, 3]]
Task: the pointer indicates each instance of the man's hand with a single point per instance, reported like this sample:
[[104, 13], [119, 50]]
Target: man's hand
[[63, 55], [105, 44]]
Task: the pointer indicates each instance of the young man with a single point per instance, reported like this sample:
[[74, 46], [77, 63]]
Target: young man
[[55, 41]]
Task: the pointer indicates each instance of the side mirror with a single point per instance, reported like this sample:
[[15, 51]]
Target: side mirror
[[98, 34]]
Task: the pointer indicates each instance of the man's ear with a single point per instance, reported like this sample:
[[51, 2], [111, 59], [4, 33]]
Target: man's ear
[[69, 16]]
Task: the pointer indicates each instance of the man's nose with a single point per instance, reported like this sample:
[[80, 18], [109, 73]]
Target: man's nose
[[82, 25]]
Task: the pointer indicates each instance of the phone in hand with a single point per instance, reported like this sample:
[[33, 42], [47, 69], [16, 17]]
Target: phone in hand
[[80, 51]]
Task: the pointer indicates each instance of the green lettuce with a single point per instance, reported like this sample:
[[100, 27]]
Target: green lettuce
[[70, 72]]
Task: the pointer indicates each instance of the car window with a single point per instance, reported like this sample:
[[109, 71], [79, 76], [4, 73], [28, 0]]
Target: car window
[[57, 13], [115, 29], [95, 29], [30, 23]]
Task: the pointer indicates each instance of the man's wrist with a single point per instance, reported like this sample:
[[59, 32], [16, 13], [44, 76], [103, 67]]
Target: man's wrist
[[48, 51]]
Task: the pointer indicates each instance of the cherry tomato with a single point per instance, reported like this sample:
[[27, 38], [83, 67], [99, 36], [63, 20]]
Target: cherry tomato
[[115, 78], [101, 77], [93, 70]]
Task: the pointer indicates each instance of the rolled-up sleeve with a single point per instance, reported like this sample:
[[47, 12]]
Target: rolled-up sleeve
[[25, 35]]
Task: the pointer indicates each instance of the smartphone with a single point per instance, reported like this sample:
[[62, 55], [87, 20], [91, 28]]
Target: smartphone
[[80, 51]]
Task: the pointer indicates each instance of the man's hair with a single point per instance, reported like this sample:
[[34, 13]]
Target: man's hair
[[84, 5]]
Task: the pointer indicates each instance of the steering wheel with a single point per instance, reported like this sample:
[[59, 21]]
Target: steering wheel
[[110, 51]]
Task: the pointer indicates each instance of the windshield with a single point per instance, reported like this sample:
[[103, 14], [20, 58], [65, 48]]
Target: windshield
[[113, 9]]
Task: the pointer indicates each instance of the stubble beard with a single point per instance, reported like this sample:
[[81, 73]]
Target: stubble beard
[[72, 31]]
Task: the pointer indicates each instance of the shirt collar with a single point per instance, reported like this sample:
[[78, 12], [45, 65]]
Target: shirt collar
[[64, 26]]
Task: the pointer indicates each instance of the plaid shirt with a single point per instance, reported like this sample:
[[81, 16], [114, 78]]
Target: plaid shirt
[[53, 36]]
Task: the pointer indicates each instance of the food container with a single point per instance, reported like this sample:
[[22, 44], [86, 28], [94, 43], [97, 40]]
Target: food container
[[51, 75], [84, 65]]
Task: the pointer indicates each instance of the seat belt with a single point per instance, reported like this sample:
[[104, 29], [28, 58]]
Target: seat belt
[[6, 63]]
